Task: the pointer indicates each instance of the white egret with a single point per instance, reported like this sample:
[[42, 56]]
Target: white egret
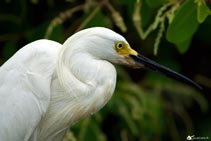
[[46, 86]]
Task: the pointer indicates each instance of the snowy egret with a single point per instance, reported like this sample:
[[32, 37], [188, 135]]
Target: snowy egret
[[46, 87]]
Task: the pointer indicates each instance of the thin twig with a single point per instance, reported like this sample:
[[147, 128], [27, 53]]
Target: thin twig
[[63, 16], [138, 20], [174, 133], [89, 18], [118, 20]]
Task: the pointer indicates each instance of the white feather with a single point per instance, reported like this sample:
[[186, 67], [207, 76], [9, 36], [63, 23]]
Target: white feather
[[46, 87], [25, 89]]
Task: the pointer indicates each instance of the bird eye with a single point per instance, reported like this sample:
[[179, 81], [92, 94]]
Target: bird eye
[[119, 45]]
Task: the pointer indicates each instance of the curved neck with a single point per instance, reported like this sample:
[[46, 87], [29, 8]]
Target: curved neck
[[81, 86], [82, 70]]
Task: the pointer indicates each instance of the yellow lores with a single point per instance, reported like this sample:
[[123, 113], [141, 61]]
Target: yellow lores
[[124, 49]]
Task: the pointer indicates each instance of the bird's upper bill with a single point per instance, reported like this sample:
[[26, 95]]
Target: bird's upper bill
[[138, 60]]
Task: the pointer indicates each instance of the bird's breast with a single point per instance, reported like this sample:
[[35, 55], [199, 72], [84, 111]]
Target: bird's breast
[[86, 92]]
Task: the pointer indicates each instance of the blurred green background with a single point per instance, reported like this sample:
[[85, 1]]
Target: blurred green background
[[146, 106]]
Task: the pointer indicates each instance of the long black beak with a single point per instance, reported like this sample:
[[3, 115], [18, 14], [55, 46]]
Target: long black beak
[[164, 70]]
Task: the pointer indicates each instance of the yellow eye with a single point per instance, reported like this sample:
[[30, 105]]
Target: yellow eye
[[119, 45], [123, 48]]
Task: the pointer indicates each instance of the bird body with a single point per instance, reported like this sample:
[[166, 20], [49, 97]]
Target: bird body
[[25, 89], [47, 86], [36, 104]]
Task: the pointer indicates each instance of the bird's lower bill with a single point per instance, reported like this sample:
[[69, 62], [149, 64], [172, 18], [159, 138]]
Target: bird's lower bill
[[132, 63], [140, 60]]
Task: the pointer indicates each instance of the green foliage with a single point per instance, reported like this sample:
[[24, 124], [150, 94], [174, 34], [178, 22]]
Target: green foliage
[[146, 110], [184, 19], [157, 3], [183, 26], [202, 11], [183, 46]]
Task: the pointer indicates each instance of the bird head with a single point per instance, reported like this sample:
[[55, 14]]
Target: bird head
[[105, 44]]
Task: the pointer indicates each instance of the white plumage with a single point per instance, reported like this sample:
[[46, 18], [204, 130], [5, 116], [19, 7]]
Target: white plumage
[[46, 86]]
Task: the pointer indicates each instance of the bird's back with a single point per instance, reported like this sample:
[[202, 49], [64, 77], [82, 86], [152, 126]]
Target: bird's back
[[25, 89]]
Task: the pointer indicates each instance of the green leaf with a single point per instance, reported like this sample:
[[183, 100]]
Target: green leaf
[[183, 46], [156, 3], [184, 23], [147, 14], [202, 11]]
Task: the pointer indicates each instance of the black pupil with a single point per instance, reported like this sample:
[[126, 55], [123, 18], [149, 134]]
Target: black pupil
[[120, 45]]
